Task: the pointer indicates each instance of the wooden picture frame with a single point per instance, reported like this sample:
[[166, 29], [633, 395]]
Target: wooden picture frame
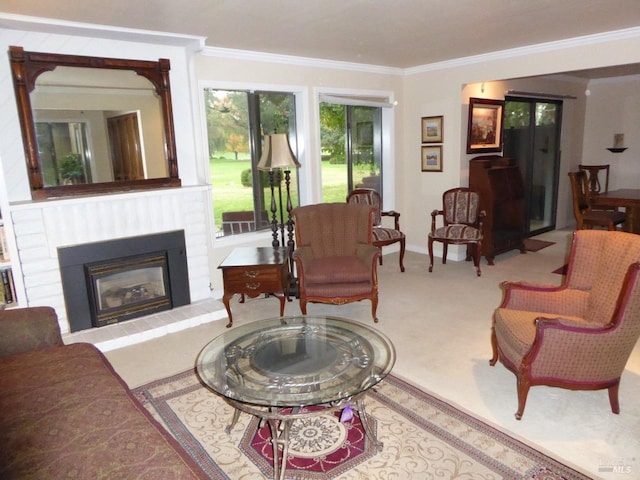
[[432, 129], [484, 133], [431, 158]]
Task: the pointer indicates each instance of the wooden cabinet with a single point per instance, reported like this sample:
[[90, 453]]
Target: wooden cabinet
[[499, 182]]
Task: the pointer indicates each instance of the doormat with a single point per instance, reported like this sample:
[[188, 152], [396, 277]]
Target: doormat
[[533, 245], [423, 437]]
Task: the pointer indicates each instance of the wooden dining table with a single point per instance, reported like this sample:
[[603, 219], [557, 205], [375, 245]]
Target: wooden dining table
[[629, 198]]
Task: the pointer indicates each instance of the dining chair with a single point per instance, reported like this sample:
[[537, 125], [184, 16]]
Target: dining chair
[[586, 216], [462, 224], [381, 235], [593, 177]]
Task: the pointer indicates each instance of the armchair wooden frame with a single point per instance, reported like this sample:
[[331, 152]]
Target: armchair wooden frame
[[578, 335], [335, 258], [463, 225]]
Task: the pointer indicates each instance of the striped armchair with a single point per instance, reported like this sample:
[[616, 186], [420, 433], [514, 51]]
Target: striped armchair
[[578, 335], [382, 235], [335, 258], [462, 225]]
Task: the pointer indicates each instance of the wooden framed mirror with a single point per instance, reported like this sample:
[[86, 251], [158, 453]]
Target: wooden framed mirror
[[93, 125]]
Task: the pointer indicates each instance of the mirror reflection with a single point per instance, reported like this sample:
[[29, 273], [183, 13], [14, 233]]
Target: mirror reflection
[[97, 128], [94, 124]]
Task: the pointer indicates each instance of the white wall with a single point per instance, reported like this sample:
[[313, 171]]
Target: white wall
[[440, 90], [613, 106]]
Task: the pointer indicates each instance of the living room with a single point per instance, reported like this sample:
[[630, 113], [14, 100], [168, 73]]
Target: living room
[[38, 228]]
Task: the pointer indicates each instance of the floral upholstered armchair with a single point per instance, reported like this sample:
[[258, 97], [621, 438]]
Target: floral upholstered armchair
[[381, 235], [578, 335], [462, 225], [335, 258]]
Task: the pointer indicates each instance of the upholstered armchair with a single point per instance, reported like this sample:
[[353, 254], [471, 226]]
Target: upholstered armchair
[[334, 256], [462, 225], [381, 235], [578, 335]]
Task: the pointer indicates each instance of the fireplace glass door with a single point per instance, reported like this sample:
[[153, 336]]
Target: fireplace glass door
[[128, 287]]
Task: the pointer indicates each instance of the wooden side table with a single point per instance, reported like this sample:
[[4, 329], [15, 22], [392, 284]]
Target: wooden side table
[[252, 271]]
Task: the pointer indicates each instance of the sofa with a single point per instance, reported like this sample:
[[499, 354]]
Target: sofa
[[65, 413]]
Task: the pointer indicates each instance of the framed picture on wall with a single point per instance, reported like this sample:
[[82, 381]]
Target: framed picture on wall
[[485, 125], [432, 129], [431, 158]]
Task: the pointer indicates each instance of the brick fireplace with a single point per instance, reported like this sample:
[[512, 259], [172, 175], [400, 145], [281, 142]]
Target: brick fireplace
[[116, 280]]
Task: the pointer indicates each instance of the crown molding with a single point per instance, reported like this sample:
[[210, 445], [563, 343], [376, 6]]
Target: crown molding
[[297, 61], [62, 27], [585, 40]]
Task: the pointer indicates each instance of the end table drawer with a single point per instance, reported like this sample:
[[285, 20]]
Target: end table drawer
[[253, 274]]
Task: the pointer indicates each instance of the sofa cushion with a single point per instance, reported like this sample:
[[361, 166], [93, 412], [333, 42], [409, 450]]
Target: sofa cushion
[[339, 269], [65, 413], [23, 329]]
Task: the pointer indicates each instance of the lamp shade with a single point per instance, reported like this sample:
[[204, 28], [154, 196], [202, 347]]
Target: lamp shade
[[277, 153]]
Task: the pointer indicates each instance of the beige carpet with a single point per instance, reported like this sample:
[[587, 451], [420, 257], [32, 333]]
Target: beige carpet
[[440, 324], [423, 438]]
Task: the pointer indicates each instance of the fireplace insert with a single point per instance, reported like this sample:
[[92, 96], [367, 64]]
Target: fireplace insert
[[117, 280]]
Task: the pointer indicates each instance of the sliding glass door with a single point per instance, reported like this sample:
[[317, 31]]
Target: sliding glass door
[[532, 137], [351, 143]]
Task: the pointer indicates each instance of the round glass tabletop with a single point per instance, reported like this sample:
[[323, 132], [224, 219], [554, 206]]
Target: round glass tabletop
[[295, 361]]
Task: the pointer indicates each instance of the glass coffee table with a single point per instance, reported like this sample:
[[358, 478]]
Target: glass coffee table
[[274, 368]]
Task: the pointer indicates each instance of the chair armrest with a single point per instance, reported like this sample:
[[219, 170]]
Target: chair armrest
[[434, 214], [24, 329], [549, 299], [395, 215], [368, 252]]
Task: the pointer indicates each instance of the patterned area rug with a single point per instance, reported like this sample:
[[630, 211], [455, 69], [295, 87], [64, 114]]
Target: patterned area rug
[[423, 437]]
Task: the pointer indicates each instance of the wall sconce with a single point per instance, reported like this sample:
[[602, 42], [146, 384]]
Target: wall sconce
[[618, 143]]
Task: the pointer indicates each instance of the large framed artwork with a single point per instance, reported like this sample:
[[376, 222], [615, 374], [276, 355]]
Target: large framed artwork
[[484, 133]]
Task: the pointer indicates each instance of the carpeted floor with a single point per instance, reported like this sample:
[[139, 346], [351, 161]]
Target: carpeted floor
[[424, 437]]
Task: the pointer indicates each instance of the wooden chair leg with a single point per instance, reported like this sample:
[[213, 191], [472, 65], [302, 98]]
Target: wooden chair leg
[[613, 398], [445, 248], [374, 307], [402, 242], [476, 257], [523, 391], [430, 248], [494, 347]]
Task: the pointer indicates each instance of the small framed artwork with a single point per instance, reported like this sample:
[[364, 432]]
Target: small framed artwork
[[485, 125], [431, 158], [432, 129]]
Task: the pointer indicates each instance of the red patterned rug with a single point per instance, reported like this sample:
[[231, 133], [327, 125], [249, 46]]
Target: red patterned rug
[[319, 445], [423, 436]]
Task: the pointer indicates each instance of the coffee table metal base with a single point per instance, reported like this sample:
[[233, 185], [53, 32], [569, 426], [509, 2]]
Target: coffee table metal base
[[280, 421]]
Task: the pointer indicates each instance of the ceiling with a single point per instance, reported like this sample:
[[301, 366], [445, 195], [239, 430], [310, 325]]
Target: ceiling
[[390, 33]]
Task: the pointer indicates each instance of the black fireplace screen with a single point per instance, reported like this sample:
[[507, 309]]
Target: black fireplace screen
[[128, 287]]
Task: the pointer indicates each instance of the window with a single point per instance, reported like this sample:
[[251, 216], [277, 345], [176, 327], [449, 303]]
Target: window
[[236, 123]]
